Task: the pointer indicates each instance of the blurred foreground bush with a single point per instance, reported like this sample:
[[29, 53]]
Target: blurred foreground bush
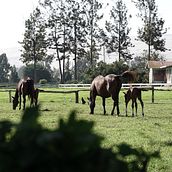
[[72, 147]]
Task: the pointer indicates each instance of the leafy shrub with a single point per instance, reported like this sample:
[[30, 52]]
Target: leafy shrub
[[72, 147], [42, 81]]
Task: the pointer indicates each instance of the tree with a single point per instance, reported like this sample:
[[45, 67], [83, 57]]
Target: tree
[[117, 39], [4, 68], [92, 8], [42, 72], [153, 27], [34, 44], [77, 15], [139, 65], [103, 68], [58, 26], [13, 74]]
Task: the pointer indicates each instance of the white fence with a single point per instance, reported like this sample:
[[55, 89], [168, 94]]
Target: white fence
[[144, 85]]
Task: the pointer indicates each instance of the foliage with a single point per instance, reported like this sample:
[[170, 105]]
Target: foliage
[[139, 64], [42, 81], [34, 45], [93, 17], [117, 37], [103, 68], [73, 146], [153, 27], [4, 68], [13, 74], [41, 72]]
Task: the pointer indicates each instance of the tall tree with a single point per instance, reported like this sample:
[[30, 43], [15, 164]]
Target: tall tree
[[58, 31], [34, 43], [4, 68], [93, 8], [153, 27], [117, 39], [78, 38]]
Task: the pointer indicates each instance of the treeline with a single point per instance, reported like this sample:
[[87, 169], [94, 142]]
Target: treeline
[[73, 32]]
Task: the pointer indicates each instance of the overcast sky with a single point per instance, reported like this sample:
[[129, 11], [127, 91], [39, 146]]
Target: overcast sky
[[13, 14]]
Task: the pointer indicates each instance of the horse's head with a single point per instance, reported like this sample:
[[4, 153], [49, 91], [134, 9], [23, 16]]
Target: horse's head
[[15, 102]]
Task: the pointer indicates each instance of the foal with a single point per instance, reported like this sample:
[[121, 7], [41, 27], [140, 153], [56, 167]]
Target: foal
[[133, 94]]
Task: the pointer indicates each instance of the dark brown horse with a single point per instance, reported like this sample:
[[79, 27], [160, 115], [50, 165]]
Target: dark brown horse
[[24, 87], [133, 94], [108, 86]]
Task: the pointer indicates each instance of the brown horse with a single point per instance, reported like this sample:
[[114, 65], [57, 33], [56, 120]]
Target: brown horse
[[108, 86], [133, 94], [24, 87]]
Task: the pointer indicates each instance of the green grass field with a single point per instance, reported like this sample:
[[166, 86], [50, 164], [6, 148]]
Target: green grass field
[[152, 132]]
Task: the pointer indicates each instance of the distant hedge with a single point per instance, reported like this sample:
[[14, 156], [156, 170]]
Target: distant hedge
[[72, 147]]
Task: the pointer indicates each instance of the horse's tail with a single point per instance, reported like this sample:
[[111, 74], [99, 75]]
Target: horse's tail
[[129, 75]]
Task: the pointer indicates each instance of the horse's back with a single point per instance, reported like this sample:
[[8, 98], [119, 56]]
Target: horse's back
[[98, 86], [25, 86], [114, 83]]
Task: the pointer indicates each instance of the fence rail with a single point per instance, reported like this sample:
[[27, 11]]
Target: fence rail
[[85, 87], [149, 85]]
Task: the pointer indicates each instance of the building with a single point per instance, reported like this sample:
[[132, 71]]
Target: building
[[160, 71]]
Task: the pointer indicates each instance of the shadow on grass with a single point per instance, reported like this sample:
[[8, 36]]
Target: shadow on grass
[[72, 146]]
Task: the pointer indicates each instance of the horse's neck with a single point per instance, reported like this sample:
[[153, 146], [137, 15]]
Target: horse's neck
[[16, 94]]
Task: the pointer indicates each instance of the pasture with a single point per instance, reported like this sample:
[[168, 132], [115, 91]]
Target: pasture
[[151, 133]]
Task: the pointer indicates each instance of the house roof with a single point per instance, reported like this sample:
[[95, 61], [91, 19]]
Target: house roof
[[159, 64]]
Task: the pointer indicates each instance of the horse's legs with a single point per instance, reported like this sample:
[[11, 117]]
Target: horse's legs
[[136, 106], [142, 104], [31, 101], [19, 101], [115, 103], [132, 108], [92, 104], [36, 101], [24, 101], [126, 104], [117, 108], [103, 101]]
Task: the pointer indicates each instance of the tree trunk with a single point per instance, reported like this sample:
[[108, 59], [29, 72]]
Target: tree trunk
[[34, 61], [64, 49], [75, 55], [119, 42], [91, 32]]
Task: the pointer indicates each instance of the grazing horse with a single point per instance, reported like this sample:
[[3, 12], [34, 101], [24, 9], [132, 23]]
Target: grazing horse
[[108, 86], [133, 94], [24, 87]]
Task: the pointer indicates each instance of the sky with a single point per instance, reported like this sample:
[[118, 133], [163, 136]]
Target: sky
[[13, 14]]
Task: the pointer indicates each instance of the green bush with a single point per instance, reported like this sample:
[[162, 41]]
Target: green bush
[[72, 147], [42, 81]]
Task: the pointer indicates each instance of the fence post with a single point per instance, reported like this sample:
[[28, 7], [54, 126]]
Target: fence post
[[153, 94], [10, 96], [76, 96]]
